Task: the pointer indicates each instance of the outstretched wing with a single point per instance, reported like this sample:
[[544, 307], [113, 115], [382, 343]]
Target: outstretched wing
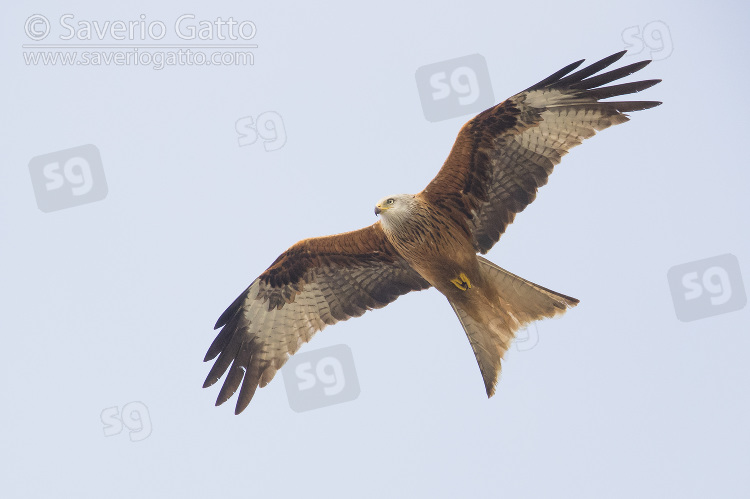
[[315, 283], [504, 154]]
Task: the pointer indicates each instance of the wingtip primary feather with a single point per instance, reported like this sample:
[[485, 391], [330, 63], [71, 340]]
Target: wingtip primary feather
[[555, 76], [632, 106], [610, 76], [591, 69], [620, 89], [232, 309]]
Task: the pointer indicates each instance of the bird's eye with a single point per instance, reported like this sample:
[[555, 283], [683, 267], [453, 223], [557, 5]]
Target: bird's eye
[[390, 201]]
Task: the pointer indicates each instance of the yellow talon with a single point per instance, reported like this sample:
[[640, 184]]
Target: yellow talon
[[462, 282]]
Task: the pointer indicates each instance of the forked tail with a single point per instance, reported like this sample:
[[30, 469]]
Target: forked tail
[[492, 329]]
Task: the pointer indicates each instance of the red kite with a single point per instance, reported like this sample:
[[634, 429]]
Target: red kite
[[430, 239]]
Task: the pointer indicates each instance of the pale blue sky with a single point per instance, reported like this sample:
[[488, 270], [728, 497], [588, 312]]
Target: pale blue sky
[[113, 302]]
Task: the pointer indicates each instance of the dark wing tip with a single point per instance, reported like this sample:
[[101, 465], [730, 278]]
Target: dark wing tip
[[591, 69], [249, 386], [585, 79], [649, 105], [220, 342], [621, 89], [232, 309], [225, 393], [632, 106], [555, 76], [609, 76]]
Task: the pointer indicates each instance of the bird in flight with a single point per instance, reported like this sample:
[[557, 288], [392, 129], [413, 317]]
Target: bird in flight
[[432, 238]]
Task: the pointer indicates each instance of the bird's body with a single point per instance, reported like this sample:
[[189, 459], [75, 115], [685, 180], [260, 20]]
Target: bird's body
[[432, 242], [430, 239], [439, 247]]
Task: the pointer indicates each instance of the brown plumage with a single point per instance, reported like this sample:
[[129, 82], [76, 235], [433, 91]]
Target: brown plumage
[[498, 162]]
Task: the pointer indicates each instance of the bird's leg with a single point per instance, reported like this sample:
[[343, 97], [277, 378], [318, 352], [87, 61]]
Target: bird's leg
[[462, 282]]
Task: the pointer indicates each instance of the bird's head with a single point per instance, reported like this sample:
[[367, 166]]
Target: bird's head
[[395, 206]]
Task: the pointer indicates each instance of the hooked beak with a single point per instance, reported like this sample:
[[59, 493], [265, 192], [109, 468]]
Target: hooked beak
[[378, 211]]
